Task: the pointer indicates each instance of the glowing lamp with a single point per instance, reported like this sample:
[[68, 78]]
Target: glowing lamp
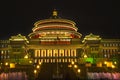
[[12, 65], [35, 71], [72, 63], [78, 70], [38, 67], [6, 63], [75, 66], [26, 57]]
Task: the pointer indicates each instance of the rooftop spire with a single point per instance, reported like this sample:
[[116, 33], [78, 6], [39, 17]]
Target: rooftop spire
[[55, 13]]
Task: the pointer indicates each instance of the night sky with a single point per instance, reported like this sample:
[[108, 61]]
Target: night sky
[[100, 17]]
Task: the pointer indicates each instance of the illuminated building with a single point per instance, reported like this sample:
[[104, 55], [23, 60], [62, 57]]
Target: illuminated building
[[54, 40], [57, 40]]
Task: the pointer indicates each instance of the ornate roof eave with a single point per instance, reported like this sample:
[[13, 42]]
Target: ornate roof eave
[[73, 27], [110, 40], [70, 32], [37, 32], [18, 37], [91, 37], [54, 20]]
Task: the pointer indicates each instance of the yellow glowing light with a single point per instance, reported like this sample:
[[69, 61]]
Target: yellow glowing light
[[78, 70], [85, 56], [30, 61], [35, 71], [115, 62], [113, 66], [12, 65], [75, 66], [38, 66], [26, 56], [109, 64], [99, 64], [72, 63], [88, 64], [6, 63], [54, 13], [105, 62], [40, 63]]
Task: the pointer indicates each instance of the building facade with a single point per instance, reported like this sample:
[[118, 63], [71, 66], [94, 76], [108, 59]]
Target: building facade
[[57, 40]]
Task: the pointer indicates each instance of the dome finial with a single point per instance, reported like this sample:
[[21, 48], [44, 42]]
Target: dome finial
[[55, 13]]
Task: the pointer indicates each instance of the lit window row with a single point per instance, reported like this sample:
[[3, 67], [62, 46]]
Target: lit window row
[[54, 60], [4, 41], [4, 51], [111, 44], [4, 54], [55, 53], [110, 50], [95, 49]]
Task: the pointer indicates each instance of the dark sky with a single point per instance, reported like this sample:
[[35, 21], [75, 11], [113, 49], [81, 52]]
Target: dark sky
[[100, 17]]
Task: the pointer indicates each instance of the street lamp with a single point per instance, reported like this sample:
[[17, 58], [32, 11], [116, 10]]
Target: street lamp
[[115, 62], [38, 67], [35, 71], [72, 63], [6, 63], [105, 62], [113, 66], [40, 63], [78, 70], [26, 56], [30, 61], [75, 66], [85, 56]]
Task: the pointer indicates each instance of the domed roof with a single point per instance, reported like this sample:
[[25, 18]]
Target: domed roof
[[54, 25], [54, 19]]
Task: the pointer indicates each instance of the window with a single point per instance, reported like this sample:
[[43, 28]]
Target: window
[[49, 53], [61, 53], [55, 52], [68, 52], [36, 53]]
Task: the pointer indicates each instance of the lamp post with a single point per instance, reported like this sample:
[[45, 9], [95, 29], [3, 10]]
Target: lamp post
[[37, 68], [35, 73], [78, 70], [75, 68]]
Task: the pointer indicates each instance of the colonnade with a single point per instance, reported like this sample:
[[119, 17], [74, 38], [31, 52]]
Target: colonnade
[[55, 55]]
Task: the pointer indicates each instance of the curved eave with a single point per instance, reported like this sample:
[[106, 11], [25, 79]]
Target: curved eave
[[54, 20], [51, 26], [45, 31]]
